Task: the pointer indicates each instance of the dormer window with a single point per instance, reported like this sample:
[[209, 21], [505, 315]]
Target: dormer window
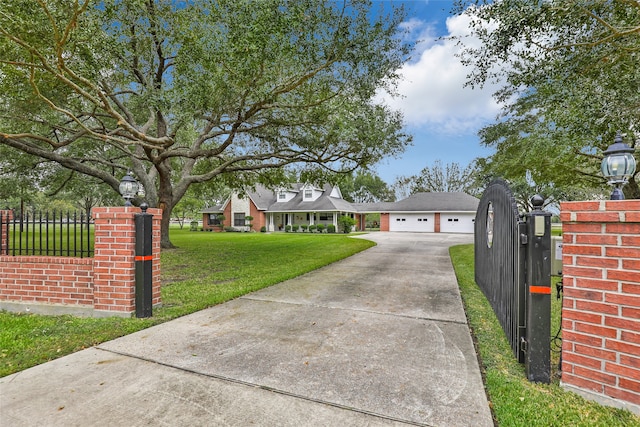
[[282, 195], [308, 194]]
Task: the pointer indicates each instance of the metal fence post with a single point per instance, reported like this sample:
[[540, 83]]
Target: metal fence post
[[538, 282], [144, 262]]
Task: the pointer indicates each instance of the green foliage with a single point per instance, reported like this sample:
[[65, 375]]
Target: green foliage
[[304, 227], [27, 339], [346, 223], [365, 187], [313, 228], [320, 228], [263, 229], [439, 178], [287, 228], [295, 228], [183, 93], [331, 228], [569, 79], [513, 399]]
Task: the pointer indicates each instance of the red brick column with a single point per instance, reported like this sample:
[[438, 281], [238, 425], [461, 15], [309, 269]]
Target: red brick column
[[114, 258], [6, 216], [601, 308], [384, 221]]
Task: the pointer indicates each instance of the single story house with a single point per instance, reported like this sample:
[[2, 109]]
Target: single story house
[[306, 204], [299, 204]]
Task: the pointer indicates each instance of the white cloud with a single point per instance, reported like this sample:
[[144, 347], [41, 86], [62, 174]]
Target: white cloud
[[432, 85]]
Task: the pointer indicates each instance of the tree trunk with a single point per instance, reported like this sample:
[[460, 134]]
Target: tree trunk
[[165, 242]]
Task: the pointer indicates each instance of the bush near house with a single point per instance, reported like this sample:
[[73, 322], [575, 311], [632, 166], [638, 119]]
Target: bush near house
[[303, 227], [346, 223], [287, 228], [312, 228], [294, 228], [320, 228], [331, 228]]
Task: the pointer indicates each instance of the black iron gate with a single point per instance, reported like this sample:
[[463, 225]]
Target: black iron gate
[[512, 267]]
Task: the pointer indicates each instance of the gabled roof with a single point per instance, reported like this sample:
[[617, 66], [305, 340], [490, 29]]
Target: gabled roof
[[262, 197], [323, 203], [266, 200], [425, 202]]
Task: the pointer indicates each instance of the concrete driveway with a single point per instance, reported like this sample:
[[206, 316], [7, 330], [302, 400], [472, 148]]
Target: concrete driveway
[[378, 339]]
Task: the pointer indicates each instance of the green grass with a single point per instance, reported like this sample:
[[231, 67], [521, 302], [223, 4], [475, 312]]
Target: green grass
[[514, 400], [206, 269]]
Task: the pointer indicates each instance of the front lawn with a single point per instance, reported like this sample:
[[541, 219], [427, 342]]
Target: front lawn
[[206, 269]]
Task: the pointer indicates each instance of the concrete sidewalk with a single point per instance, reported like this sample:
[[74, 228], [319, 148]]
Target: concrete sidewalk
[[378, 339]]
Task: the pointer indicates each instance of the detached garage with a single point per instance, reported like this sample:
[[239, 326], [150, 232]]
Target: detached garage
[[430, 213]]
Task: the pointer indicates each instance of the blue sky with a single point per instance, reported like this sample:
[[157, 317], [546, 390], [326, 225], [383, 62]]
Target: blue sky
[[442, 115]]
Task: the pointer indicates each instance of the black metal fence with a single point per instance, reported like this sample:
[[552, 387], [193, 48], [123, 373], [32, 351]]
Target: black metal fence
[[69, 234]]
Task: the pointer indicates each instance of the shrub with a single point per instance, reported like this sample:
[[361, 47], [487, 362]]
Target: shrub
[[312, 228], [346, 223], [320, 228], [230, 229], [304, 227], [263, 229], [294, 228], [287, 228], [331, 228]]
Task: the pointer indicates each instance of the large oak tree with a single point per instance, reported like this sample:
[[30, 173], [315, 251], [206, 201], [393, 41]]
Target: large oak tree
[[181, 93], [570, 80]]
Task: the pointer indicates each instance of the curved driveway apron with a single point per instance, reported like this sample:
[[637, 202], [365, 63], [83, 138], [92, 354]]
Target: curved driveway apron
[[379, 338]]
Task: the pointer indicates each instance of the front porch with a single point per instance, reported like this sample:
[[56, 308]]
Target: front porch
[[278, 221]]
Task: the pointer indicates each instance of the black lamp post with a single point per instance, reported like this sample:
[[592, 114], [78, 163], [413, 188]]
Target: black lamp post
[[618, 166], [128, 188]]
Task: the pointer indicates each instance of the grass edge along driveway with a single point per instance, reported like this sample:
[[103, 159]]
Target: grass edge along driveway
[[206, 269], [513, 399]]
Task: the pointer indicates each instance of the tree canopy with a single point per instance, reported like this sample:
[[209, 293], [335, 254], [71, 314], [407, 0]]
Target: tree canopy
[[438, 178], [570, 78], [181, 93]]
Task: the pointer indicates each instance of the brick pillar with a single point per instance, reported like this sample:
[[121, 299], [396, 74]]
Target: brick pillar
[[6, 216], [601, 307], [384, 221], [436, 225], [114, 258]]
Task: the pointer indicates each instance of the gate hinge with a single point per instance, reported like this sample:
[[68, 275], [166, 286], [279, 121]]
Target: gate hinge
[[524, 239]]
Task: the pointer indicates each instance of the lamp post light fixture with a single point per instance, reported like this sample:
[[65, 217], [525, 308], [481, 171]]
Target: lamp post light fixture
[[128, 188], [618, 166]]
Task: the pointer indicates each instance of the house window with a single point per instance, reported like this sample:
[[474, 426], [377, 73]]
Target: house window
[[239, 219], [213, 219], [282, 195], [326, 217], [308, 194]]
